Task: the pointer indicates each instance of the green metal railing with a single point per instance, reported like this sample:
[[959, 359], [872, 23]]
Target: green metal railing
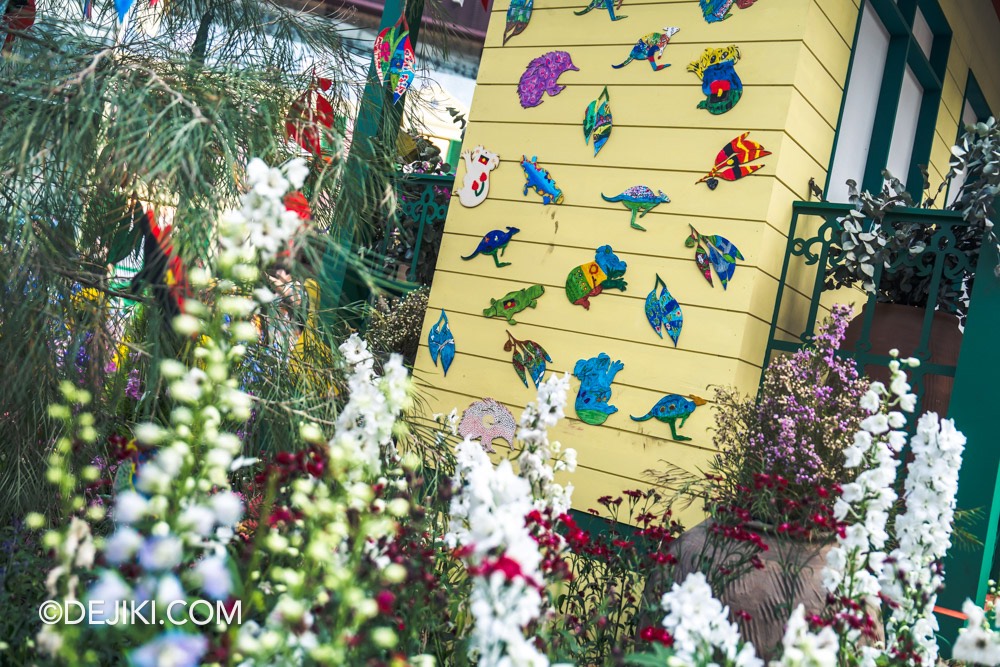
[[941, 263], [412, 237], [973, 396]]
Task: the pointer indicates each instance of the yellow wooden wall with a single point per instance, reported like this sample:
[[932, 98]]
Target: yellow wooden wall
[[795, 55]]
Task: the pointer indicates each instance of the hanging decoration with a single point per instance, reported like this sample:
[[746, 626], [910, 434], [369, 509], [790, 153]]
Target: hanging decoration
[[487, 420], [651, 48], [596, 375], [518, 16], [663, 311], [673, 410], [733, 161], [719, 10], [18, 15], [597, 121], [494, 244], [721, 254], [121, 8], [610, 5], [719, 82], [311, 111], [514, 302], [640, 200], [539, 180], [88, 9], [592, 278], [476, 185], [395, 59], [441, 342], [162, 268], [528, 359], [542, 76]]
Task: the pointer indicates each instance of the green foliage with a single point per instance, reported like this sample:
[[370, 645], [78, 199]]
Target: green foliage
[[96, 120]]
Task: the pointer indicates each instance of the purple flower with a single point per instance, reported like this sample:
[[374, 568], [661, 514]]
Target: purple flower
[[133, 388]]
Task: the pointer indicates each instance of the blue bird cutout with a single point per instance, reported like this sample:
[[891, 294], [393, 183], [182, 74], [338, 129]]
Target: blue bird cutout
[[663, 312], [441, 342]]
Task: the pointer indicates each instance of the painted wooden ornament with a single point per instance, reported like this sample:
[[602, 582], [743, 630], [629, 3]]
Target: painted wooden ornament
[[719, 10], [596, 375], [494, 244], [650, 48], [528, 358], [592, 278], [721, 254], [719, 82], [311, 111], [673, 410], [487, 420], [542, 76], [610, 5], [640, 200], [597, 121], [518, 16], [476, 185], [733, 161], [538, 179], [441, 342], [514, 302], [663, 312], [395, 59]]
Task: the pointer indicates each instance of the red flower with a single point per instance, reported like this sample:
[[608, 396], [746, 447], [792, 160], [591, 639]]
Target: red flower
[[385, 601], [296, 201]]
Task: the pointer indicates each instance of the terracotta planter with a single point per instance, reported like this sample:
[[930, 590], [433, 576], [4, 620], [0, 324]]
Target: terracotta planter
[[764, 594], [896, 326]]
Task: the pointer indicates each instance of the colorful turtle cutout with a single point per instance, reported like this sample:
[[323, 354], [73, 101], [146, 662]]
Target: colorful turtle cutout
[[441, 342], [514, 302], [494, 244], [394, 58], [518, 16], [650, 48], [721, 254], [487, 420], [733, 161], [670, 409], [610, 5], [476, 185], [719, 10], [640, 200], [528, 359], [539, 180], [719, 82], [596, 375], [592, 278], [542, 76], [597, 121], [663, 312]]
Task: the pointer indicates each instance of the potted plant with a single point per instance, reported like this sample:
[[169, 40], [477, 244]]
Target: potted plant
[[770, 490], [893, 260]]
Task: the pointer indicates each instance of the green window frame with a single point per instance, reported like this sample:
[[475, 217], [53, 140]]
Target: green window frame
[[904, 50]]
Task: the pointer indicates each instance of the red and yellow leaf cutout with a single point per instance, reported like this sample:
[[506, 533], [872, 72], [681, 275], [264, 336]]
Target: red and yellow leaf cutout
[[733, 161]]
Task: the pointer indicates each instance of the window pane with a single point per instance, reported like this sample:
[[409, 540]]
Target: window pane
[[905, 128], [968, 118], [922, 33], [859, 108]]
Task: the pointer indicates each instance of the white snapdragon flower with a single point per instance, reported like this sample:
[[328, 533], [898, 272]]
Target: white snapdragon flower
[[130, 507], [212, 575], [227, 507], [802, 648], [161, 553]]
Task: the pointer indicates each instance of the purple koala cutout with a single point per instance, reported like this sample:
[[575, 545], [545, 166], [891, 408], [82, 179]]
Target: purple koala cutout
[[541, 77]]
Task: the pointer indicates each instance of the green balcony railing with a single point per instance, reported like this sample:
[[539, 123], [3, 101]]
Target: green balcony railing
[[410, 241]]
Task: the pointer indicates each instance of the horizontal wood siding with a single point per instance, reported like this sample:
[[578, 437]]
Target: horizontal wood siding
[[794, 60]]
